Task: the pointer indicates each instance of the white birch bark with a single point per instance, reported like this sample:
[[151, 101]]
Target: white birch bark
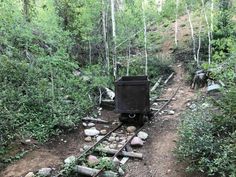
[[176, 23], [212, 17], [208, 32], [145, 37], [104, 16], [192, 33], [128, 62], [114, 38], [199, 40]]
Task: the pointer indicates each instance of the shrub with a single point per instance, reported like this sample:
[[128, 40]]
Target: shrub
[[207, 139]]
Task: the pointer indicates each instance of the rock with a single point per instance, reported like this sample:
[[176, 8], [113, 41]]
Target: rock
[[81, 150], [30, 174], [213, 88], [99, 138], [117, 138], [91, 124], [119, 146], [121, 172], [111, 139], [45, 171], [131, 129], [112, 146], [70, 159], [123, 141], [86, 147], [91, 132], [171, 112], [84, 124], [103, 132], [114, 134], [136, 141], [155, 104], [143, 135], [116, 162], [88, 139], [92, 160]]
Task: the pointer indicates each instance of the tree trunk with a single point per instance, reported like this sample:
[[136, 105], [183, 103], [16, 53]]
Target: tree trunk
[[176, 23], [128, 62], [192, 33], [145, 38], [114, 38], [208, 32], [104, 16]]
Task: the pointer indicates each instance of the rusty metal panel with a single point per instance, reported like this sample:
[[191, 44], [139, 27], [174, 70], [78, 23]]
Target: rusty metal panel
[[132, 94]]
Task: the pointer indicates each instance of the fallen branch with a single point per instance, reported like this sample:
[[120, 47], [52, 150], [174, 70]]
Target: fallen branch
[[170, 76], [91, 171], [94, 120], [156, 84]]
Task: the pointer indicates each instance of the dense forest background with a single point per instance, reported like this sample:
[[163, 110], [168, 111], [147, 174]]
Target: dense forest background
[[56, 56]]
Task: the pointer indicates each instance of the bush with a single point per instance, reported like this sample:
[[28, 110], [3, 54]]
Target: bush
[[207, 139]]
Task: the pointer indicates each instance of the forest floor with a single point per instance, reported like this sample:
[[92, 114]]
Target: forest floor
[[159, 159]]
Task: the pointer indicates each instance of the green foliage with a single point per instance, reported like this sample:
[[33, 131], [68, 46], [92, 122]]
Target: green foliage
[[207, 139], [224, 32]]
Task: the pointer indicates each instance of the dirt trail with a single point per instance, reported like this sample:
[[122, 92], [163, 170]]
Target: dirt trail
[[159, 159]]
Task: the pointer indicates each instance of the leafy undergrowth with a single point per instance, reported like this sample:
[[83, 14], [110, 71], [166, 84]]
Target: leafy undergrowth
[[208, 136]]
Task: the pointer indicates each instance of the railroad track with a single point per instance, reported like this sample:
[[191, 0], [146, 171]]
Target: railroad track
[[120, 151]]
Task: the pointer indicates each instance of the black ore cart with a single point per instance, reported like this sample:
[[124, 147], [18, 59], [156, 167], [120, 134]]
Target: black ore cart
[[132, 98]]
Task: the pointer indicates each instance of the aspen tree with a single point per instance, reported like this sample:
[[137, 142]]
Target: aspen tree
[[145, 37], [199, 39], [208, 32], [176, 23], [104, 27], [128, 62], [192, 32], [114, 38]]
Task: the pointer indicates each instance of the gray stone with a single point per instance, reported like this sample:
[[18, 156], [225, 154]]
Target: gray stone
[[84, 124], [70, 159], [171, 112], [30, 174], [88, 139], [117, 138], [119, 146], [103, 132], [92, 160], [45, 171], [113, 146], [111, 139], [116, 162], [121, 172], [131, 129], [86, 147], [91, 124], [213, 88], [99, 138], [136, 141], [91, 132], [143, 135], [114, 134]]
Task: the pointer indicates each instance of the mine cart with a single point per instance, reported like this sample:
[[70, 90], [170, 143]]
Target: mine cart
[[132, 98]]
